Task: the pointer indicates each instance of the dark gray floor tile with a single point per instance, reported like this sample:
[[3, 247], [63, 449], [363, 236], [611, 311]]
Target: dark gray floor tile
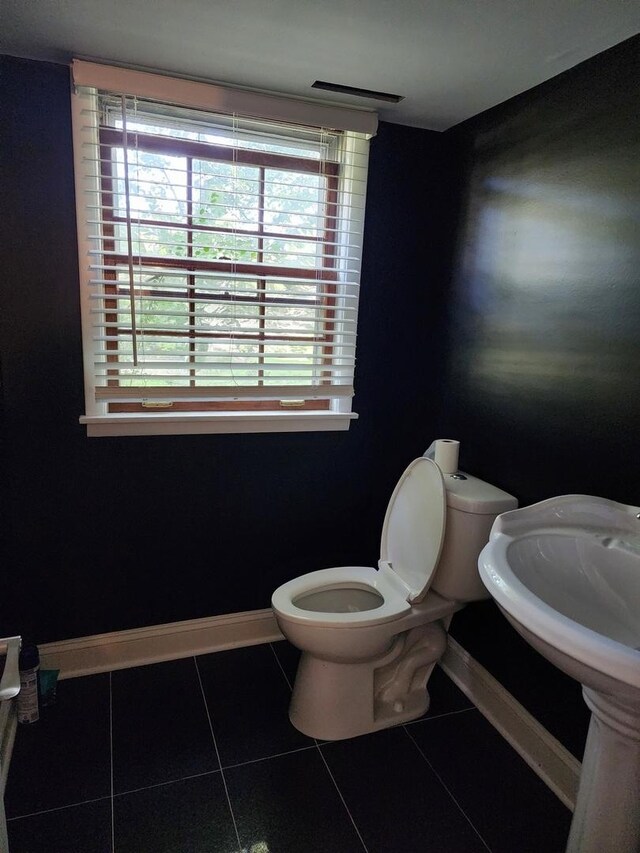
[[77, 829], [64, 758], [161, 732], [248, 701], [445, 696], [191, 816], [396, 800], [288, 656], [289, 804], [553, 698], [508, 804]]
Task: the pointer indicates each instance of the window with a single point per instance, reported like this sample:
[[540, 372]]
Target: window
[[220, 257]]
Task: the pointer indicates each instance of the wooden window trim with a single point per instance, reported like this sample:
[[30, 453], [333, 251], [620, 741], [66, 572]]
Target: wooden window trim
[[110, 138], [113, 138]]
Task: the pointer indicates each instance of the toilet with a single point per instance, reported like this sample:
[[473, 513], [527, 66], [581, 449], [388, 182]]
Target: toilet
[[371, 637]]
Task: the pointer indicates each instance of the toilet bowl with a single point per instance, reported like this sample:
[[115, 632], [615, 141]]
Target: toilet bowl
[[371, 637]]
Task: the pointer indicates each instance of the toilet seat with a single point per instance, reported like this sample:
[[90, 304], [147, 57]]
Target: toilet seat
[[413, 528], [395, 604], [412, 536]]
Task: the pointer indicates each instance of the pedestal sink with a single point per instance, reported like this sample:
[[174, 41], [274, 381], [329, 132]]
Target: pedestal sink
[[566, 574]]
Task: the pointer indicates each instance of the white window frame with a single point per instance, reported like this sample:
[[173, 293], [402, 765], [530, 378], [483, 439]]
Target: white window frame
[[98, 421]]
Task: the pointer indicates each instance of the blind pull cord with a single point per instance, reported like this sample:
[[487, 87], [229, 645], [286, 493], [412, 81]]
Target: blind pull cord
[[132, 296]]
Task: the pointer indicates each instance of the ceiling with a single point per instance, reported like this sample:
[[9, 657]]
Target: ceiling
[[450, 59]]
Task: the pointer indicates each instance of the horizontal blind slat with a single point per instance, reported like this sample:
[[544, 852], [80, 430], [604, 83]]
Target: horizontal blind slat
[[214, 302], [252, 268], [271, 253], [268, 345], [262, 392], [222, 232], [308, 168], [200, 295], [240, 275], [334, 220], [340, 366]]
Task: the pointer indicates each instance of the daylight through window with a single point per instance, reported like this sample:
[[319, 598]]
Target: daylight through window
[[220, 258]]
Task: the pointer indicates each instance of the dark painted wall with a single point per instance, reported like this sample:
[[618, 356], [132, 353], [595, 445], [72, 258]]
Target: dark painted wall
[[107, 534], [530, 358], [543, 377]]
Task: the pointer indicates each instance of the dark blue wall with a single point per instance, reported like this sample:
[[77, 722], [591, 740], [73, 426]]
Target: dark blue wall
[[543, 375], [524, 343], [107, 534]]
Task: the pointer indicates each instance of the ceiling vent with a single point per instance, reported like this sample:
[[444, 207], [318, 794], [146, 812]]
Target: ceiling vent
[[359, 93]]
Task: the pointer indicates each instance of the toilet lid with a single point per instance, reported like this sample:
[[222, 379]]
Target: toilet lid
[[413, 529]]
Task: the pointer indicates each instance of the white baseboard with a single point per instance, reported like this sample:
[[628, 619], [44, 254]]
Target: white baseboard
[[121, 649], [139, 646], [546, 756]]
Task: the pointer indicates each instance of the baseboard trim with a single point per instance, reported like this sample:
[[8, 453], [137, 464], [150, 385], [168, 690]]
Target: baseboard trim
[[546, 756], [139, 646], [553, 763]]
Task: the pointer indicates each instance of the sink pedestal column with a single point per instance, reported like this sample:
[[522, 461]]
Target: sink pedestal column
[[607, 814]]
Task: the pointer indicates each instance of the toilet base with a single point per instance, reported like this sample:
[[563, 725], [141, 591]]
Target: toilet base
[[333, 701]]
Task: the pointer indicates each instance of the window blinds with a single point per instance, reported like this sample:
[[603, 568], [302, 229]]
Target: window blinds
[[219, 252]]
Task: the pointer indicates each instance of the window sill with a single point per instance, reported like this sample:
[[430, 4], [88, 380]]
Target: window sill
[[200, 423]]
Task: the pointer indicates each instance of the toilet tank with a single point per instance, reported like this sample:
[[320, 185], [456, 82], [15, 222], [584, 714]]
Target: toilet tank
[[472, 507]]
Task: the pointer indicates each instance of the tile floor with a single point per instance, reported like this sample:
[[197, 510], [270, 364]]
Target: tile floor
[[198, 755]]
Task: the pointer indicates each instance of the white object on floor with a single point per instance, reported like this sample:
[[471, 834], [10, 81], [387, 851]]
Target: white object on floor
[[371, 637]]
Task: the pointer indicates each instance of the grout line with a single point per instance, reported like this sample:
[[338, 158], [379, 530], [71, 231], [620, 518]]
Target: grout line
[[168, 782], [344, 802], [324, 761], [59, 808], [160, 784], [437, 716], [286, 677], [211, 772], [439, 778], [268, 757], [113, 816], [549, 759], [215, 746]]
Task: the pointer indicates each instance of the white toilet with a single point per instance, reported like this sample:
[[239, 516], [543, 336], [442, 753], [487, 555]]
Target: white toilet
[[371, 637]]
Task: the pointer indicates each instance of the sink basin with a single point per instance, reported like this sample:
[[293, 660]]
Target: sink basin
[[566, 573]]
